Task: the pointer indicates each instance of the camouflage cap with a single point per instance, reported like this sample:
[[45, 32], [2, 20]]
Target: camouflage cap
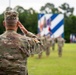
[[11, 17]]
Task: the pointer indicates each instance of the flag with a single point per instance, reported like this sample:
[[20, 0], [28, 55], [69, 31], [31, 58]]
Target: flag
[[51, 23]]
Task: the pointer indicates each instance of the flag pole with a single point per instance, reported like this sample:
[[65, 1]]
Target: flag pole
[[9, 4]]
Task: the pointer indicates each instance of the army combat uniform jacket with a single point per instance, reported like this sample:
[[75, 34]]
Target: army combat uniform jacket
[[14, 50]]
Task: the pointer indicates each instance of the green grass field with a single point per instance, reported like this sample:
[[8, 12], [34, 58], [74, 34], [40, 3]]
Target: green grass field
[[54, 65]]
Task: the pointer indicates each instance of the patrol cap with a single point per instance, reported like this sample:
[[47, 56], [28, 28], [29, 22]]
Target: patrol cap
[[11, 17]]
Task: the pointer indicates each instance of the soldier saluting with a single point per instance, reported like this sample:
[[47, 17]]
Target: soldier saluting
[[14, 48], [60, 42]]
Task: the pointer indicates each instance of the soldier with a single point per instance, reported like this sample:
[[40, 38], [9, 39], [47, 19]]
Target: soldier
[[14, 48], [41, 52], [60, 42], [46, 46], [53, 43]]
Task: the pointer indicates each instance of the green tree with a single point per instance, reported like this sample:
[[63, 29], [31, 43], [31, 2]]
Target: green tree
[[1, 24], [67, 9], [49, 8], [68, 20], [28, 18]]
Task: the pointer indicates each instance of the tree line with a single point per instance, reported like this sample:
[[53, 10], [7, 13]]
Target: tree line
[[29, 18]]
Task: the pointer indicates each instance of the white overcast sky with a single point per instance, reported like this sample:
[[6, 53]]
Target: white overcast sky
[[35, 4]]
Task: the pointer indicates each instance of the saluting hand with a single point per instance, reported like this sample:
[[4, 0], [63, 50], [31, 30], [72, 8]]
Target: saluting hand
[[23, 29]]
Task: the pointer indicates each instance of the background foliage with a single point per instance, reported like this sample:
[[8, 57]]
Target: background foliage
[[29, 18]]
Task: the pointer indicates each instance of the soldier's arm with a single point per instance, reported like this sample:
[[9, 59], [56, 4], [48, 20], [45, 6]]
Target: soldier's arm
[[29, 34], [31, 45], [25, 31]]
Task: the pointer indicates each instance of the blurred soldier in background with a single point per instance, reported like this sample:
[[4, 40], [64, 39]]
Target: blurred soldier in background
[[60, 42], [14, 48], [42, 39], [46, 45], [53, 43]]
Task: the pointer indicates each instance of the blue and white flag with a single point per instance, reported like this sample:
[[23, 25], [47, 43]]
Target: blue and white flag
[[52, 24]]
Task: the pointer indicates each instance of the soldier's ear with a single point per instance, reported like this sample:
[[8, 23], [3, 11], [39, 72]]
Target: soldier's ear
[[3, 23]]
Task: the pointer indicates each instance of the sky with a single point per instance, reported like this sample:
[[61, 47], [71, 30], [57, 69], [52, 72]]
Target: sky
[[35, 4]]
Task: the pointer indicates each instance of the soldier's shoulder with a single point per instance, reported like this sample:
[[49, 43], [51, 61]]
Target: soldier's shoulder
[[2, 35], [25, 38]]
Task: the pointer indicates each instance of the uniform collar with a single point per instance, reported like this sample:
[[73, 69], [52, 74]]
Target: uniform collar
[[10, 31]]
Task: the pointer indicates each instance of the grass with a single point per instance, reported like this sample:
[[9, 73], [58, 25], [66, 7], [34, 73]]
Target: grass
[[54, 65]]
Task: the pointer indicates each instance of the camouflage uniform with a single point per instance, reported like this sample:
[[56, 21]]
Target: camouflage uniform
[[60, 42], [42, 39], [53, 43], [46, 46], [13, 54], [14, 51], [35, 48]]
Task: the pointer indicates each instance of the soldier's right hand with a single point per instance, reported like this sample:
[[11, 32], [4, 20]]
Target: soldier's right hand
[[23, 29]]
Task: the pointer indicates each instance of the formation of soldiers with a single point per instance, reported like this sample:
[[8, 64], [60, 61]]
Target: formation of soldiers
[[16, 48], [49, 43]]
